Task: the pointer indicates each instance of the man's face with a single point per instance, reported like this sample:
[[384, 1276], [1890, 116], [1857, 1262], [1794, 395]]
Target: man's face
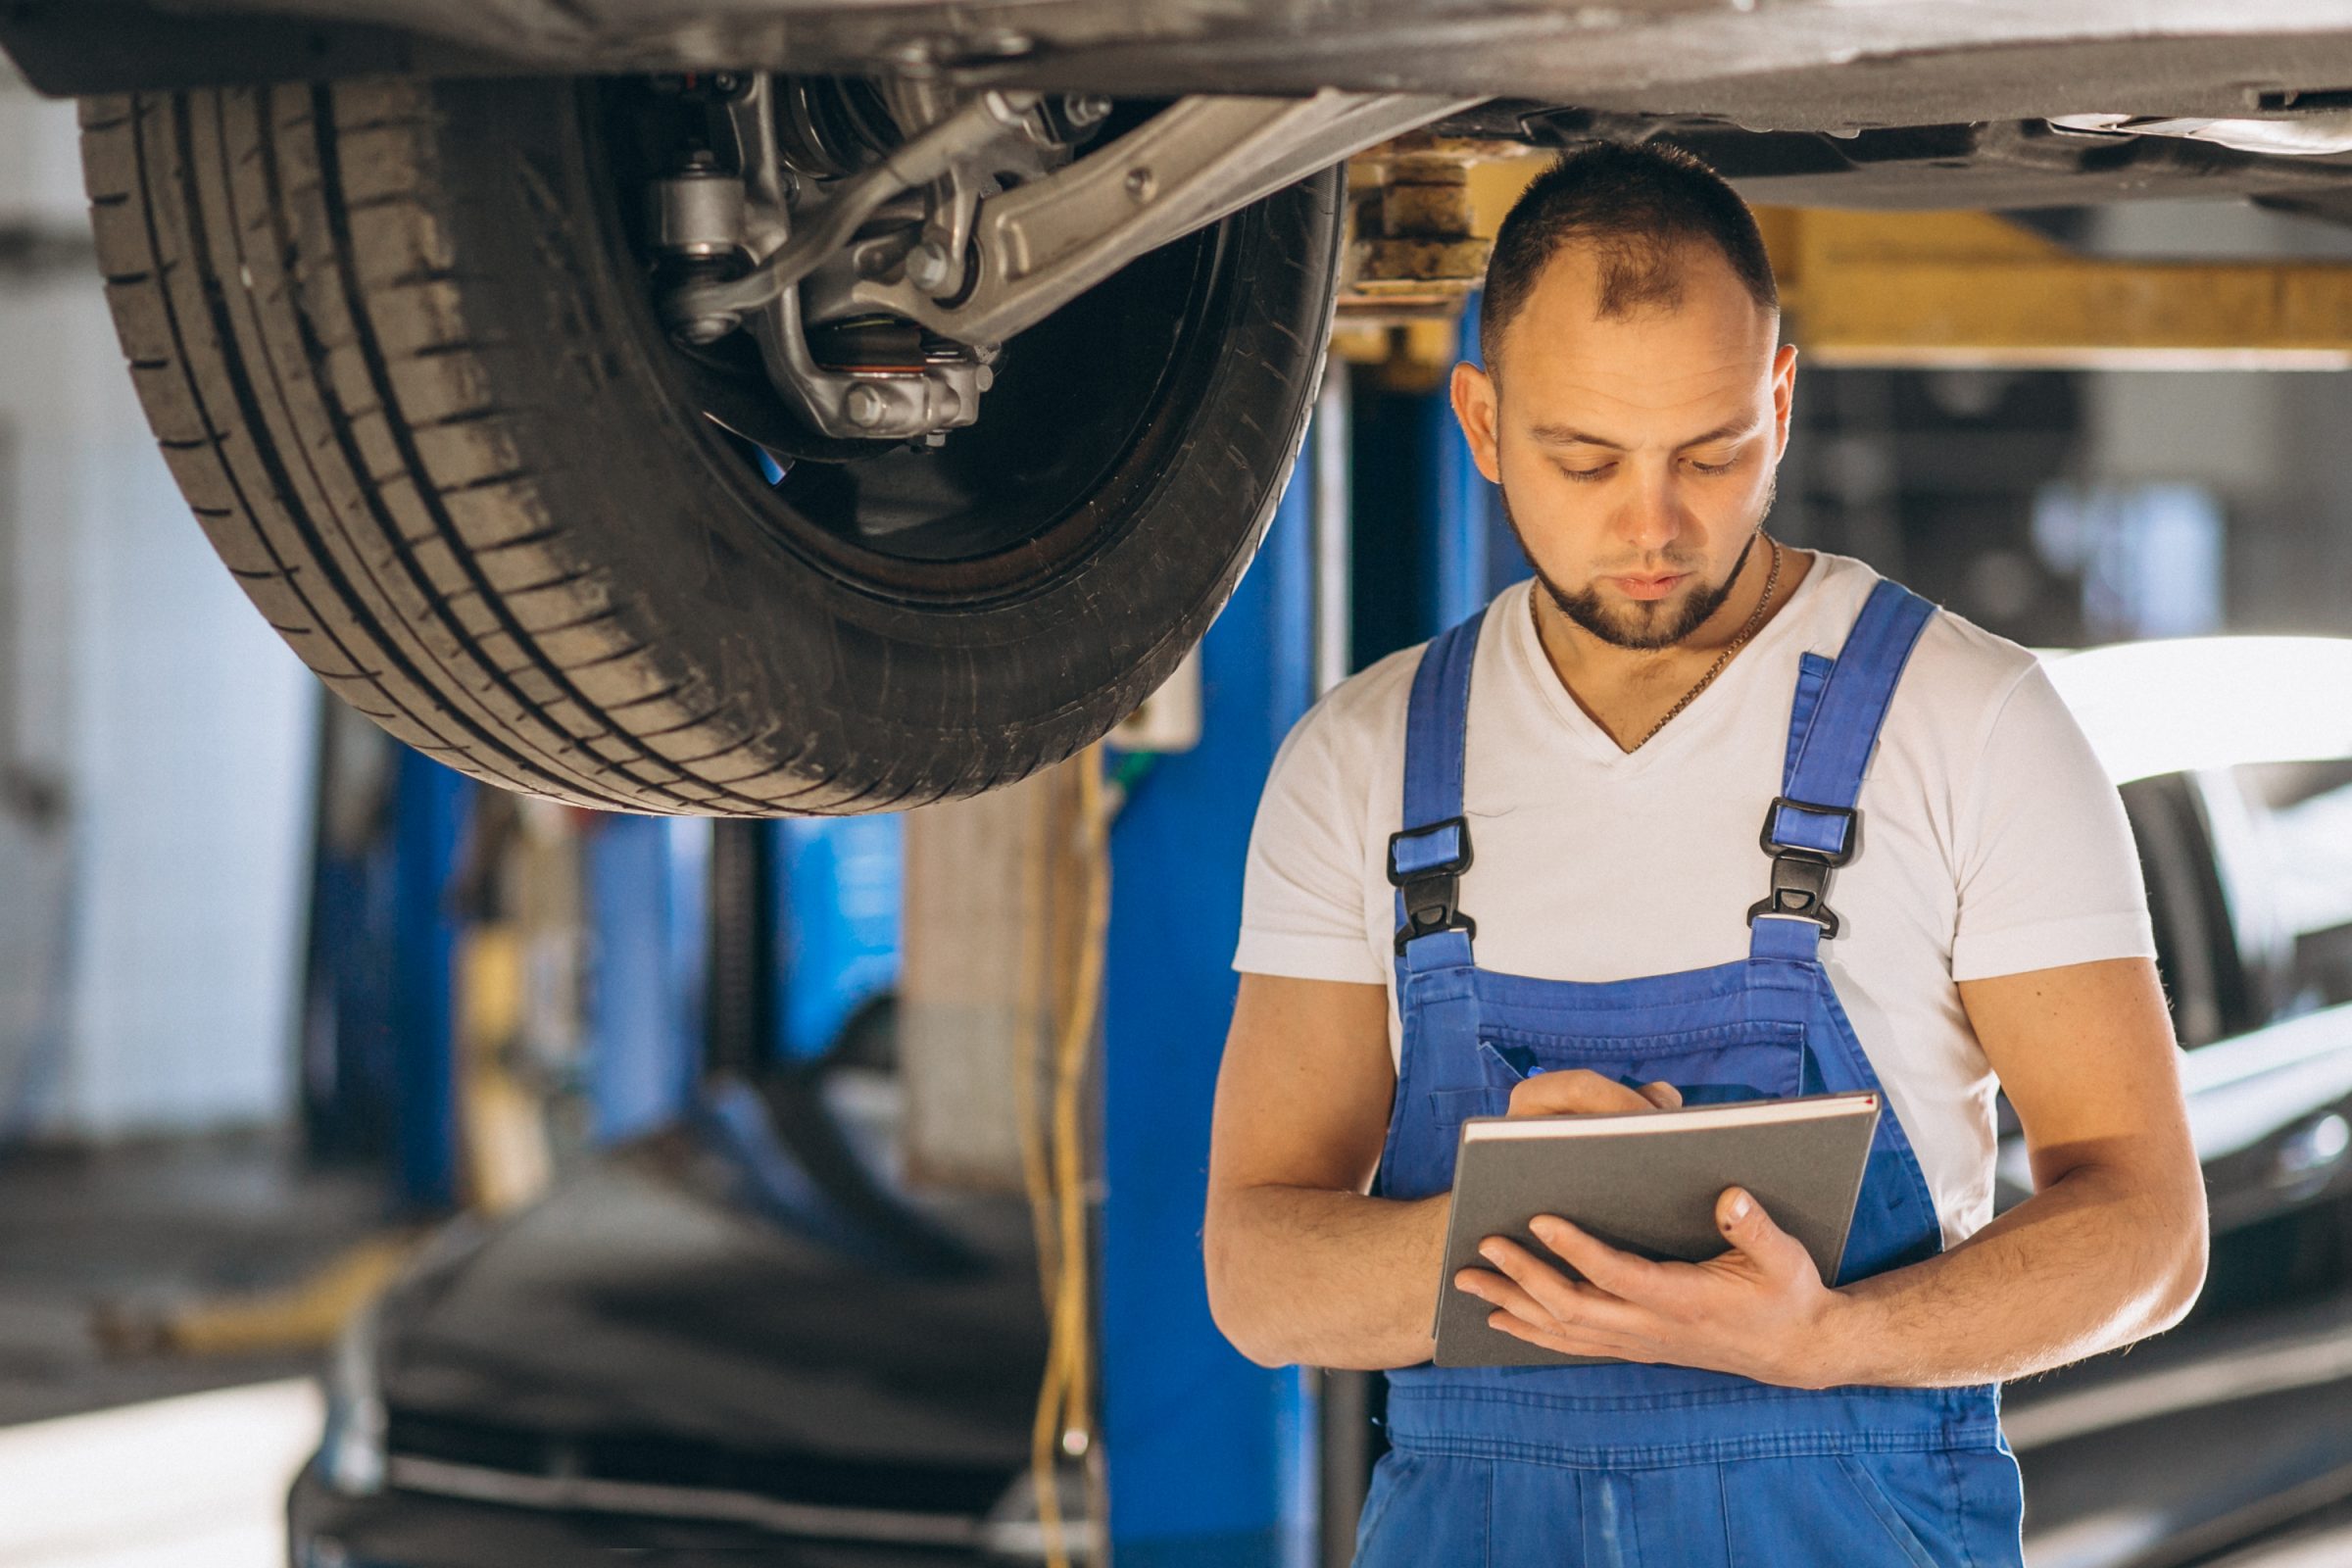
[[1635, 455]]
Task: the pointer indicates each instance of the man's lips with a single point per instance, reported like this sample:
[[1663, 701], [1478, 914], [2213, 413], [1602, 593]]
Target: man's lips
[[1649, 587]]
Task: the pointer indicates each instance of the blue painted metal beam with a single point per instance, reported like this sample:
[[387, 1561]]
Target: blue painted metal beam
[[1210, 1458], [430, 805], [647, 906], [1474, 555], [837, 926]]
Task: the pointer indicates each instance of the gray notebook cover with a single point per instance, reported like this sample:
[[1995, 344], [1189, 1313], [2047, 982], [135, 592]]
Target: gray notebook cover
[[1647, 1182]]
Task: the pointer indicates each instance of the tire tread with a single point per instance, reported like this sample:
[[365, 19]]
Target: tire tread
[[333, 520]]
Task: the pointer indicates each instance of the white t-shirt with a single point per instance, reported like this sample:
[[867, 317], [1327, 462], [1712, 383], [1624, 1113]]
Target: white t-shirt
[[1993, 844]]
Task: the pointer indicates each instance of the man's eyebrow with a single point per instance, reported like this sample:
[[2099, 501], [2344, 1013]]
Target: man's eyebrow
[[1560, 436]]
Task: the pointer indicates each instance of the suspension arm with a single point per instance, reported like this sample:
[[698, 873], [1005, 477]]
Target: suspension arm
[[1044, 244]]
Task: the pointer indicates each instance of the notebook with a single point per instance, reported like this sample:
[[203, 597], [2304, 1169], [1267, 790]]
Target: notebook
[[1645, 1181]]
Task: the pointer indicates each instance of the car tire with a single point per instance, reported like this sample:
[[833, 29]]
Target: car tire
[[404, 366]]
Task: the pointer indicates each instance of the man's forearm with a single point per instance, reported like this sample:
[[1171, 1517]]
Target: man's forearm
[[1306, 1276], [2095, 1259]]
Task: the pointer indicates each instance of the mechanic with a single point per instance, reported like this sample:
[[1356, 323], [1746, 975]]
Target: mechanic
[[1562, 856]]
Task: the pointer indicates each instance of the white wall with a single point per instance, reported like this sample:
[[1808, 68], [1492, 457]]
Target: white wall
[[169, 903]]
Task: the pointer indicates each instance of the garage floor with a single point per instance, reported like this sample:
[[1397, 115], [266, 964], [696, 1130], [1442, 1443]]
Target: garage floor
[[145, 1225], [155, 1462]]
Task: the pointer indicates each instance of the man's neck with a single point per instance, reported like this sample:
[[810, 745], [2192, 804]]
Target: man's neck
[[1624, 689]]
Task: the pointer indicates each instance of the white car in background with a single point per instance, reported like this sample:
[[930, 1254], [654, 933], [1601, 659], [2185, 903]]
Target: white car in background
[[2235, 759]]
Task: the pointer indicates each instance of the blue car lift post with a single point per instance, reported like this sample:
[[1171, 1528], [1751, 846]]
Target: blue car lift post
[[830, 925], [1207, 1456], [1211, 1460], [646, 895], [428, 825]]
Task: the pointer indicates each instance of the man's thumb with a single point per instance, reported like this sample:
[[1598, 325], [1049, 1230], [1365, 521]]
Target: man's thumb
[[1747, 1226]]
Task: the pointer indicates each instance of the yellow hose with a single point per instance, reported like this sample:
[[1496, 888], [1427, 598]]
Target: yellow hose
[[1065, 1418], [1036, 1172]]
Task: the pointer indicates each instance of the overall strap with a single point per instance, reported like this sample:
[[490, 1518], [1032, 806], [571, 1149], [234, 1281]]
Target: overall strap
[[1812, 827], [1812, 674], [1429, 854]]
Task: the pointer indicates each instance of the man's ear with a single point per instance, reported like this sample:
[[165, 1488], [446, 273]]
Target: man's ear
[[1784, 395], [1476, 409]]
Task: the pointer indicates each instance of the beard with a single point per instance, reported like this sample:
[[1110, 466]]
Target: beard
[[1640, 626]]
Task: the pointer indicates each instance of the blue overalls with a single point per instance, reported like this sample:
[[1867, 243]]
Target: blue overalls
[[1634, 1466]]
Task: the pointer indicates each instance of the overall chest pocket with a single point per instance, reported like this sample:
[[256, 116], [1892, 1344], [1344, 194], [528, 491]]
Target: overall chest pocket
[[1754, 1059]]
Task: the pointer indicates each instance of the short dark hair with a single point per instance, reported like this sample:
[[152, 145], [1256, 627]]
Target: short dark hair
[[1637, 205]]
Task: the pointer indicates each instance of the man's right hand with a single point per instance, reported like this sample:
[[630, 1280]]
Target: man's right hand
[[1582, 1092]]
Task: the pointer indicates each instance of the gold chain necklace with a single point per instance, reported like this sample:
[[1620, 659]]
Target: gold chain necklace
[[1755, 618]]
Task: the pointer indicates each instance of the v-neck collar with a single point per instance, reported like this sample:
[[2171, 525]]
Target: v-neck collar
[[1524, 650]]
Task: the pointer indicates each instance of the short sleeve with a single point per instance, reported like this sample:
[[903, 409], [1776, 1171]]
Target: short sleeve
[[2048, 871], [1302, 901]]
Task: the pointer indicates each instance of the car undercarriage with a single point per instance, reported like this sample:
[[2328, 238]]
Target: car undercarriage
[[773, 408]]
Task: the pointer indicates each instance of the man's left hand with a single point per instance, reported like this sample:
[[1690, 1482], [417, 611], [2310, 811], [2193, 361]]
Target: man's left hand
[[1759, 1309]]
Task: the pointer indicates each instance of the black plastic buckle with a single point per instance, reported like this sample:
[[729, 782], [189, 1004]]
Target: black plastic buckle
[[1800, 875], [1432, 894], [1800, 887], [1850, 841]]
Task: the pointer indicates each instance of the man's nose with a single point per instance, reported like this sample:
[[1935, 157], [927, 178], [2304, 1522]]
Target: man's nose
[[1652, 516]]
